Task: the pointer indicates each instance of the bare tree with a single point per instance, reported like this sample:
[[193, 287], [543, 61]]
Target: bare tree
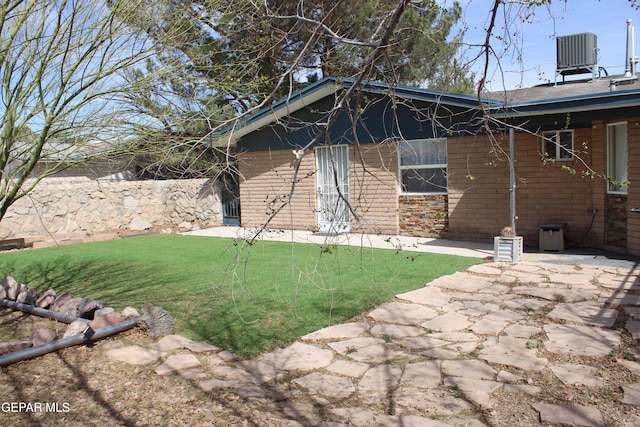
[[60, 65]]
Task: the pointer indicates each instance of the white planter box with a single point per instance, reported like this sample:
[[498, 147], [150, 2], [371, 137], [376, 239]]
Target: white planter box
[[507, 249]]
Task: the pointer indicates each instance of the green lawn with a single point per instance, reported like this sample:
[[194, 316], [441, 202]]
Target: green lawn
[[243, 299]]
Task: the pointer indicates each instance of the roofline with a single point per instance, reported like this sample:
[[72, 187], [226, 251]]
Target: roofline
[[294, 102], [330, 85], [498, 109], [572, 104]]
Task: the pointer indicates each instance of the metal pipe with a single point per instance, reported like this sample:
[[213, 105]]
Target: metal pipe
[[88, 335], [41, 311], [512, 180]]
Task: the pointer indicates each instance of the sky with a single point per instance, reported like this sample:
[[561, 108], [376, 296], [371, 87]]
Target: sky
[[535, 40]]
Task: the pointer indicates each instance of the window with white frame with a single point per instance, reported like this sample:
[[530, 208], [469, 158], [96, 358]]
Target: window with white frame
[[423, 166], [617, 158], [557, 145]]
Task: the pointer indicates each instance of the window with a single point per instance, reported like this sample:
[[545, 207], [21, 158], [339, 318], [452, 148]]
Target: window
[[617, 158], [423, 166], [557, 145]]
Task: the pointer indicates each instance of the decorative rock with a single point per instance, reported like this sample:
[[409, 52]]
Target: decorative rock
[[28, 296], [105, 320], [103, 311], [130, 313], [575, 415], [75, 328], [11, 288], [12, 347], [80, 307], [185, 226], [139, 224], [43, 336], [156, 321], [46, 298], [21, 289], [60, 301]]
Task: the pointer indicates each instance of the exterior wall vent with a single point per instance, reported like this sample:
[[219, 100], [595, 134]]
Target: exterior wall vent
[[577, 54]]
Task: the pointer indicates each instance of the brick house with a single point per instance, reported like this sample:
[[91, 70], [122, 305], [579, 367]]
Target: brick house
[[417, 162]]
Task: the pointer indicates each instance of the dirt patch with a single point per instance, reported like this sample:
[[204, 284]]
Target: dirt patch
[[80, 386]]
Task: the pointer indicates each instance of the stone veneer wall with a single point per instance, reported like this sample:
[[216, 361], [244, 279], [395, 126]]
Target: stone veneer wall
[[423, 216], [617, 221], [81, 205]]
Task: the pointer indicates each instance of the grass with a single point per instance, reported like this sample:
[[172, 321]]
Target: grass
[[243, 299]]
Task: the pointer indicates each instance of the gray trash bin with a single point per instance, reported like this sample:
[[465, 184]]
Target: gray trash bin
[[551, 237]]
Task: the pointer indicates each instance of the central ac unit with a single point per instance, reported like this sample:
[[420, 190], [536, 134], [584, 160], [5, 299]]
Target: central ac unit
[[577, 54]]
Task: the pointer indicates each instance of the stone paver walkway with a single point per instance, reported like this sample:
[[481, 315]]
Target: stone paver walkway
[[440, 355]]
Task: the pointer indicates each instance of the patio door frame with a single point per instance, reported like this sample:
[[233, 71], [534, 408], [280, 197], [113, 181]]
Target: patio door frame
[[332, 165]]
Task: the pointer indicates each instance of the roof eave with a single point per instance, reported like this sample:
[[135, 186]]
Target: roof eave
[[280, 109], [600, 101]]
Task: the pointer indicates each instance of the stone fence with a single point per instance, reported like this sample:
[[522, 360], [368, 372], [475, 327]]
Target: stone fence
[[80, 206]]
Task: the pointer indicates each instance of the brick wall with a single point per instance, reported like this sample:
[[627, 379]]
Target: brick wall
[[478, 189], [266, 178], [374, 188], [479, 203], [633, 198]]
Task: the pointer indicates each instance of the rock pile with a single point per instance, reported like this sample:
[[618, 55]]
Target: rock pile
[[87, 311]]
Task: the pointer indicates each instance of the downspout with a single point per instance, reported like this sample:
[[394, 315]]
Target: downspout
[[512, 180], [88, 335]]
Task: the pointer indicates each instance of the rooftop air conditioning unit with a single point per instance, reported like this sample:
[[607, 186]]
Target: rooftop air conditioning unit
[[577, 54]]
